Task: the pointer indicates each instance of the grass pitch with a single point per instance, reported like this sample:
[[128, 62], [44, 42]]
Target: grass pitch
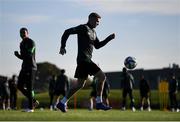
[[86, 115]]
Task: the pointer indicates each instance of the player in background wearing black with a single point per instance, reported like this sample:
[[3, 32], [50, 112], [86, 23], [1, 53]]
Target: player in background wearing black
[[13, 92], [52, 84], [173, 90], [127, 84], [87, 39], [61, 86], [27, 74], [144, 88], [5, 94]]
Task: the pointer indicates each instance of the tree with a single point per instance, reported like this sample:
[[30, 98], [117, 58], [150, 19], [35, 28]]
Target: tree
[[45, 71]]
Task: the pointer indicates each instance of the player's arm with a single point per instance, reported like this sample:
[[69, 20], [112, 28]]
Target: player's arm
[[132, 79], [176, 91], [65, 36], [16, 53], [99, 44]]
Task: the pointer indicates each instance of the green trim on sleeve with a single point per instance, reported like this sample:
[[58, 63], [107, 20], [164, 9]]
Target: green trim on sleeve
[[32, 49]]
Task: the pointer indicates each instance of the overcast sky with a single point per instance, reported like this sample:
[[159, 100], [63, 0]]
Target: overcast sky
[[149, 30]]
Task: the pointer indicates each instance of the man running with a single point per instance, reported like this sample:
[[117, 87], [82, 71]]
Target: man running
[[28, 69], [87, 38]]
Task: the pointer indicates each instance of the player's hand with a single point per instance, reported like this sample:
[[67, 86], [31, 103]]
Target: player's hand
[[62, 51], [110, 37], [16, 53]]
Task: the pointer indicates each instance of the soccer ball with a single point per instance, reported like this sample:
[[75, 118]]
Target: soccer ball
[[130, 62]]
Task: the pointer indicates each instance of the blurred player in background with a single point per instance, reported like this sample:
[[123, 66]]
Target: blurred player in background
[[173, 90], [5, 94], [61, 86], [144, 88], [127, 84], [52, 84], [13, 92]]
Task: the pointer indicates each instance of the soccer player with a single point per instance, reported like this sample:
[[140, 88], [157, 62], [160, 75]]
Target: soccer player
[[173, 90], [52, 84], [87, 39], [28, 69], [5, 94], [144, 88], [127, 84], [61, 86], [13, 91]]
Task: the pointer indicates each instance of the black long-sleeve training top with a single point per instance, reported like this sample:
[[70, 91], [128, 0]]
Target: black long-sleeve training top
[[27, 54], [87, 38]]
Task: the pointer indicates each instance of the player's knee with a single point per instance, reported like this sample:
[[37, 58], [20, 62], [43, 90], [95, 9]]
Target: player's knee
[[103, 77], [100, 76]]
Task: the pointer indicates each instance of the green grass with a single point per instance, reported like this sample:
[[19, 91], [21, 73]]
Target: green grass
[[115, 99], [85, 115]]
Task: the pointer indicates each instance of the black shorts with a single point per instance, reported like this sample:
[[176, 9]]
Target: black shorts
[[93, 94], [84, 69], [59, 92]]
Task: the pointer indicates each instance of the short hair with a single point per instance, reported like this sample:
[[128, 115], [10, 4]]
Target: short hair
[[23, 29], [63, 71], [93, 14]]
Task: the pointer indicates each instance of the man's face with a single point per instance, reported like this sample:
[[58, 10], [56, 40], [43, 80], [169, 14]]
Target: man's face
[[23, 34], [94, 21]]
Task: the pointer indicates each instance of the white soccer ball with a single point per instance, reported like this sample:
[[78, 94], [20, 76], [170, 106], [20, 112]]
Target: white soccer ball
[[130, 62]]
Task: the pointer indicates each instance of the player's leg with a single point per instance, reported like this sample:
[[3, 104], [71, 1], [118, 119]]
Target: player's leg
[[100, 85], [105, 97], [29, 85], [91, 103], [107, 101], [175, 102], [7, 98], [147, 96], [100, 76], [62, 104], [51, 95], [142, 100], [30, 77], [142, 103], [75, 88], [21, 82], [149, 104], [132, 100], [15, 99], [3, 103], [171, 102], [91, 99], [11, 99], [124, 94]]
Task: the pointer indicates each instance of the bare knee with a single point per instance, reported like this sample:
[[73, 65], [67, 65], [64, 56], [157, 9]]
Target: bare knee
[[100, 76]]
